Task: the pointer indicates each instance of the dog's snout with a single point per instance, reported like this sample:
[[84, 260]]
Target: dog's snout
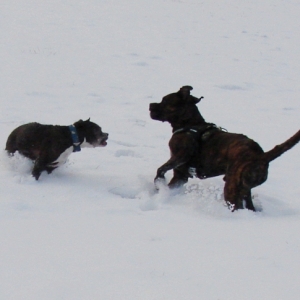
[[153, 106]]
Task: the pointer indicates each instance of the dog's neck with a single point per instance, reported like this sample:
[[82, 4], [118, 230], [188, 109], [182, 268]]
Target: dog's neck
[[179, 125], [188, 118], [75, 138], [78, 138]]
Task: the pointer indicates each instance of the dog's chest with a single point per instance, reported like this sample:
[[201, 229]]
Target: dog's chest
[[62, 158]]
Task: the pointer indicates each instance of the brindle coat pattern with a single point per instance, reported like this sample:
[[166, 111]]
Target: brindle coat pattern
[[212, 151], [45, 143]]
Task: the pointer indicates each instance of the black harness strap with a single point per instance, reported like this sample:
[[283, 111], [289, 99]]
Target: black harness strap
[[200, 134], [201, 131]]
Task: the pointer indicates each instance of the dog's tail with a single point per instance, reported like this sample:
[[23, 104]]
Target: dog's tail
[[280, 149]]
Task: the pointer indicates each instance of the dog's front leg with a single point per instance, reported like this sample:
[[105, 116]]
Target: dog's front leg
[[172, 163], [182, 148], [37, 170], [180, 176], [162, 170], [40, 165]]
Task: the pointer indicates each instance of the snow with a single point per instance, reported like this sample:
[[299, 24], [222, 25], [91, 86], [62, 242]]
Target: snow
[[95, 228]]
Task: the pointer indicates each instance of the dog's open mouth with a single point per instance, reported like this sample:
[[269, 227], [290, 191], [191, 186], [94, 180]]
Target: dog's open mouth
[[103, 142]]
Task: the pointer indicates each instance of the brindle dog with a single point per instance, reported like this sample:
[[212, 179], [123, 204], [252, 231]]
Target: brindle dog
[[210, 151]]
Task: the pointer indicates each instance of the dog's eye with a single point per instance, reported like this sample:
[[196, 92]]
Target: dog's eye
[[171, 108]]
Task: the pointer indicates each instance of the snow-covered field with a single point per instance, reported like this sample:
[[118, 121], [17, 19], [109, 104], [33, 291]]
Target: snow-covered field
[[95, 228]]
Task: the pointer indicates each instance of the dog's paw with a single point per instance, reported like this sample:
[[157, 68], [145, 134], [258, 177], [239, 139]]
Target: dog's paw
[[159, 181], [230, 206], [36, 174]]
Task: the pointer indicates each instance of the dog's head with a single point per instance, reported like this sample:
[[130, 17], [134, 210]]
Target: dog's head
[[177, 108], [93, 135]]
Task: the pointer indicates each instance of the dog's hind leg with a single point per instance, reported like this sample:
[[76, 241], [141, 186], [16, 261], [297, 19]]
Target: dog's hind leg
[[248, 200], [232, 195], [10, 149], [11, 146], [235, 195]]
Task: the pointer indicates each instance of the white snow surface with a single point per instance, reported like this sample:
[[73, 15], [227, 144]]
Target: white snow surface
[[95, 228]]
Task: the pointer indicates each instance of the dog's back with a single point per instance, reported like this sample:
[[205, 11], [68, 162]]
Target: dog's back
[[222, 149], [29, 138], [20, 137]]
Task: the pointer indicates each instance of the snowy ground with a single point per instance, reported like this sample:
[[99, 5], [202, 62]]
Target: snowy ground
[[95, 228]]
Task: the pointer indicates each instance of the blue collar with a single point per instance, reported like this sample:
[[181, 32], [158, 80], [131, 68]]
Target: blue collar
[[75, 138]]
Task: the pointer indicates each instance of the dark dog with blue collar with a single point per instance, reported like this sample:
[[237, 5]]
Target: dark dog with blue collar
[[50, 145], [203, 150]]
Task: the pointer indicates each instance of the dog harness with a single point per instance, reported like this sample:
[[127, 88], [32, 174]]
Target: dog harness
[[200, 134], [75, 138], [202, 131]]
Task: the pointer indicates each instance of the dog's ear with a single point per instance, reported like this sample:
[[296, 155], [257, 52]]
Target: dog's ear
[[196, 100], [79, 123], [186, 95], [184, 92]]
